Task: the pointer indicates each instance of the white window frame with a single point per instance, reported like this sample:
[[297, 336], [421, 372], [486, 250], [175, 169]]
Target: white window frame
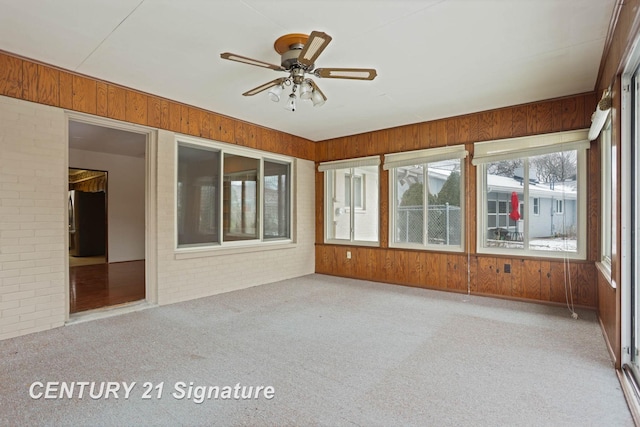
[[536, 205], [351, 165], [525, 147], [606, 195], [559, 207], [204, 249], [425, 157], [359, 204]]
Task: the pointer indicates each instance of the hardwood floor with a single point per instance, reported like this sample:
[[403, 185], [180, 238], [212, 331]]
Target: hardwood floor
[[103, 285]]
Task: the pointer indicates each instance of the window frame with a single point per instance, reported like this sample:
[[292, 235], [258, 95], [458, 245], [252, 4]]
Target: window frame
[[425, 157], [224, 246], [525, 148], [349, 167], [535, 206], [362, 206], [606, 156]]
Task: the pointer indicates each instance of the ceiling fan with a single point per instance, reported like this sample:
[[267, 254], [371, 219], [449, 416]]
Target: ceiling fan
[[298, 53]]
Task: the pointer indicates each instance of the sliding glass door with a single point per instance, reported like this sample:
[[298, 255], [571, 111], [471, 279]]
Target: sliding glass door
[[631, 213]]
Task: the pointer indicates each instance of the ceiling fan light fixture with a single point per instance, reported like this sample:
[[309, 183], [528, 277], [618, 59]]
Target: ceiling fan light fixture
[[306, 90], [298, 54], [291, 104], [275, 92], [317, 99]]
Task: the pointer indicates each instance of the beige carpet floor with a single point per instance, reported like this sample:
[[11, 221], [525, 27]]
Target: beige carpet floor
[[336, 352]]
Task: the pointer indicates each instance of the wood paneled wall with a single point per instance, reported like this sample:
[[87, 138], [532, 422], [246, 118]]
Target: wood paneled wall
[[541, 117], [31, 81], [623, 31], [530, 278]]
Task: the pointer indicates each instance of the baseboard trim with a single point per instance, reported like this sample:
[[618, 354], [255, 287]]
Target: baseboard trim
[[607, 341], [631, 392]]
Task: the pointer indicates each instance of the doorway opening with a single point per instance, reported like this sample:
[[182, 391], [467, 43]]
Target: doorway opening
[[107, 216]]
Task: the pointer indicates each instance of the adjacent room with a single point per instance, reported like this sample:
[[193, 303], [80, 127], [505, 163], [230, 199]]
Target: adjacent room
[[392, 213]]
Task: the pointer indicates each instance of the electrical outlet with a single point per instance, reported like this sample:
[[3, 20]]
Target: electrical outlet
[[507, 268], [348, 254]]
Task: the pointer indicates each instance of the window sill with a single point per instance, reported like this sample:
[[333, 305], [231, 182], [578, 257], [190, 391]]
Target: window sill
[[190, 253], [432, 248], [572, 256], [606, 272], [352, 243]]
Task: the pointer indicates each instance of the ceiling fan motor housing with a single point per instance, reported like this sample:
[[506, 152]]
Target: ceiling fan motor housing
[[289, 59]]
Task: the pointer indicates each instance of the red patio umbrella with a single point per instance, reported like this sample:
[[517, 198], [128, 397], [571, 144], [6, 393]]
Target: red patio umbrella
[[515, 205]]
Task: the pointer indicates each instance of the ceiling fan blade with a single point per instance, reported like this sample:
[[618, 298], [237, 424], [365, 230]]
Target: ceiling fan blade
[[346, 73], [314, 46], [264, 87], [250, 61]]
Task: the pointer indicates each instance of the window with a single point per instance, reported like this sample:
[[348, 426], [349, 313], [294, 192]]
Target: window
[[277, 200], [427, 193], [240, 200], [350, 187], [532, 195], [358, 190], [198, 196], [606, 192], [227, 195]]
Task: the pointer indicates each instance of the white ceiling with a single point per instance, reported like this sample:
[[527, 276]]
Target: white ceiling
[[90, 137], [435, 58]]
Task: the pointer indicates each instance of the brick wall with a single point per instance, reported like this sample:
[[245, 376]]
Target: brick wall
[[33, 227], [32, 217]]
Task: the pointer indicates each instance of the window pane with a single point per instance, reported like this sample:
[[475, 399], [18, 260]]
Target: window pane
[[607, 191], [352, 218], [365, 219], [277, 209], [198, 196], [409, 204], [444, 217], [240, 214], [556, 226], [505, 204], [547, 218], [338, 217], [358, 183]]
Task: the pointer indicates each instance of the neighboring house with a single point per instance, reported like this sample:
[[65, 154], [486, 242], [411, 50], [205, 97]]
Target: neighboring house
[[551, 209]]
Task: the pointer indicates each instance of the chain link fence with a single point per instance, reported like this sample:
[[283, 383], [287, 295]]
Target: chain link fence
[[444, 223]]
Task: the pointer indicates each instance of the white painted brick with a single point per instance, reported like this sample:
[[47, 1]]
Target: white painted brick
[[51, 290], [13, 296], [16, 265], [55, 277], [10, 312], [10, 287], [34, 255], [6, 273], [9, 304], [5, 234], [35, 315], [17, 326], [50, 322], [6, 257], [55, 306], [32, 175], [35, 270], [32, 286]]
